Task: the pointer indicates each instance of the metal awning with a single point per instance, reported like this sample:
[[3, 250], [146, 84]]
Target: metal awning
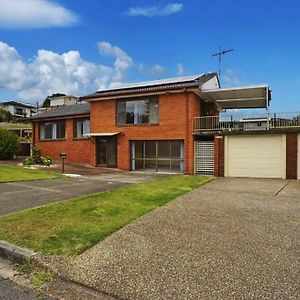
[[240, 97], [102, 134]]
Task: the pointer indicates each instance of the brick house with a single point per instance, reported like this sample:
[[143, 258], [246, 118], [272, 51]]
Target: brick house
[[171, 125]]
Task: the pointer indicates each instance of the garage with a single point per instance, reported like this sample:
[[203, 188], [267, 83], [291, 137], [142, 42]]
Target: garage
[[261, 156]]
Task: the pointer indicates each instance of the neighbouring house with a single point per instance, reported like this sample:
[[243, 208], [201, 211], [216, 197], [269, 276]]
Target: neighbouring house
[[174, 125], [19, 109], [24, 132], [63, 100]]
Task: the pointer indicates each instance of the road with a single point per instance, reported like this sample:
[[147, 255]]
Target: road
[[12, 291]]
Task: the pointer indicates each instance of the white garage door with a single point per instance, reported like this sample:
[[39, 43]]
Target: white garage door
[[255, 156], [298, 155]]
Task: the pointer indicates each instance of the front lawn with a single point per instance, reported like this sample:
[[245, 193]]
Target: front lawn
[[72, 226], [10, 173]]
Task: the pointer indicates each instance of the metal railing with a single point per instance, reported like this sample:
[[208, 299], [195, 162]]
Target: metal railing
[[247, 122]]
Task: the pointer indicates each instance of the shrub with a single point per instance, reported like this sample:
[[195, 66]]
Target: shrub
[[9, 144], [47, 161], [37, 155], [28, 161], [37, 158]]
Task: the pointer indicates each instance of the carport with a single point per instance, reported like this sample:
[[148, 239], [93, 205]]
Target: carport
[[257, 153], [257, 96]]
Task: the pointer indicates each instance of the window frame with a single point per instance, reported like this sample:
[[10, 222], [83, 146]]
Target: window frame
[[157, 159], [55, 124], [148, 99], [83, 136]]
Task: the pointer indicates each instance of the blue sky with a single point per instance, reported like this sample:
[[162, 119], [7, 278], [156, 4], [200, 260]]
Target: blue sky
[[94, 44]]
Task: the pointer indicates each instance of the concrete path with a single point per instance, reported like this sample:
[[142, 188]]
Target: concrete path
[[230, 239], [20, 195]]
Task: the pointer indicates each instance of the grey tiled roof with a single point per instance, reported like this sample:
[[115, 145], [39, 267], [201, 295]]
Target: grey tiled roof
[[18, 103], [64, 111], [154, 86]]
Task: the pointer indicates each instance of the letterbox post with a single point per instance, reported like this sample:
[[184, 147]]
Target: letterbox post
[[63, 156]]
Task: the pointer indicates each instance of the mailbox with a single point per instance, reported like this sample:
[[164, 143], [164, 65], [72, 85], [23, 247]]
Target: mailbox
[[63, 155]]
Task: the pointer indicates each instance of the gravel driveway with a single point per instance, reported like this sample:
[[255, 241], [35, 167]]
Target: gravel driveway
[[230, 239]]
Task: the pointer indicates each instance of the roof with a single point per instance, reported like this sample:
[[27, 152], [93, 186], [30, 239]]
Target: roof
[[18, 103], [257, 96], [64, 111], [153, 86]]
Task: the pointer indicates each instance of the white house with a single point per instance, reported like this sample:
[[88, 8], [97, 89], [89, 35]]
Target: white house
[[19, 109]]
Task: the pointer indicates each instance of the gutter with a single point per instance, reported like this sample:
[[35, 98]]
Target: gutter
[[59, 117]]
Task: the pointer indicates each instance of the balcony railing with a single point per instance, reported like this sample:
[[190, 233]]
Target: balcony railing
[[247, 123]]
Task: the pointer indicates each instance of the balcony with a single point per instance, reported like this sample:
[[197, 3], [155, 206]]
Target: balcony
[[268, 121]]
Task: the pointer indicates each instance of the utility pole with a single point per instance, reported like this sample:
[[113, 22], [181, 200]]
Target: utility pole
[[219, 54]]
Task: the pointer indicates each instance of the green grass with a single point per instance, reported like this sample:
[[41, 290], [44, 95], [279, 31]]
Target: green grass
[[72, 226], [38, 276], [10, 173]]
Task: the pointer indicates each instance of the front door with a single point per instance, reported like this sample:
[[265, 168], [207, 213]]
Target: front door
[[101, 152], [106, 152]]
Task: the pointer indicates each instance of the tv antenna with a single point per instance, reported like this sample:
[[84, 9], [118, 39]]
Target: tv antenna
[[219, 54]]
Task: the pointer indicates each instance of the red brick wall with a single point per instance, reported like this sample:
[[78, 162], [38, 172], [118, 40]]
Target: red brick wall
[[219, 156], [78, 150], [291, 155], [176, 112]]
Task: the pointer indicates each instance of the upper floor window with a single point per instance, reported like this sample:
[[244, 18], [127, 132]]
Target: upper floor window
[[20, 111], [138, 111], [81, 128], [53, 130]]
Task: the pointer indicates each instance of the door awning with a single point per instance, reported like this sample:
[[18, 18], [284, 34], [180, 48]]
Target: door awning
[[102, 134], [240, 97]]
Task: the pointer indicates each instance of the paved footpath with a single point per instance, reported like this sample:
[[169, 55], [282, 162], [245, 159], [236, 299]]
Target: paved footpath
[[230, 239]]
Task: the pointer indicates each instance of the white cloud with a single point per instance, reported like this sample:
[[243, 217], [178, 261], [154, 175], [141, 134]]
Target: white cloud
[[155, 11], [123, 60], [49, 72], [156, 70], [180, 69], [230, 77], [34, 14]]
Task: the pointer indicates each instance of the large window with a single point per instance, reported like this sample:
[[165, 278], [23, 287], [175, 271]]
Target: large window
[[81, 128], [53, 130], [138, 111], [159, 156]]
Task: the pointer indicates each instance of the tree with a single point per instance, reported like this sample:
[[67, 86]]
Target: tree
[[5, 116], [9, 144], [46, 102]]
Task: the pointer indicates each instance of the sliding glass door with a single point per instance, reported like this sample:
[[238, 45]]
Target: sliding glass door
[[159, 156]]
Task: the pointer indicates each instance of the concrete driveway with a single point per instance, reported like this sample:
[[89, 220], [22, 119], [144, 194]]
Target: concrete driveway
[[20, 195], [230, 239]]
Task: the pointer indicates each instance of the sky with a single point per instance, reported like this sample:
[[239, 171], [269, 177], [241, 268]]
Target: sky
[[78, 47]]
